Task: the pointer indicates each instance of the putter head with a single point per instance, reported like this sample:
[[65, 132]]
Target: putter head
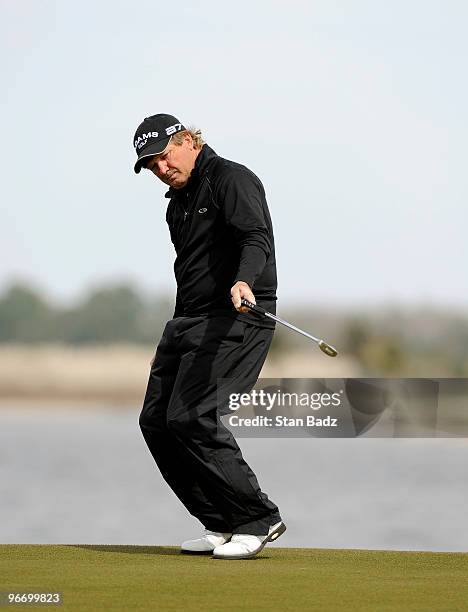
[[327, 349]]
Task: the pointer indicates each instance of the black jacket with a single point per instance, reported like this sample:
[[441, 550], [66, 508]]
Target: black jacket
[[221, 230]]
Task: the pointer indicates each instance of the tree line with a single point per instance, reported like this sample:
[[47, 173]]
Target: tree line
[[405, 341], [117, 313]]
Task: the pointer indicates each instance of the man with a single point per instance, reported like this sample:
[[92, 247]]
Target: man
[[221, 230]]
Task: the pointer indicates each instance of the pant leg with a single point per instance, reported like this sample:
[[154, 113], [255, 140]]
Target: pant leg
[[170, 454], [229, 349]]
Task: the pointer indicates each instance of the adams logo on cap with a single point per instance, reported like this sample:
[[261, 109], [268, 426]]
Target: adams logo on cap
[[143, 138]]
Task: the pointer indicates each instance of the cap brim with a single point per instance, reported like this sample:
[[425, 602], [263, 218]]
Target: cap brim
[[155, 149]]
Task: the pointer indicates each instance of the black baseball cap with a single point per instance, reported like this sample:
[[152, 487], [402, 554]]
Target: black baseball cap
[[153, 135]]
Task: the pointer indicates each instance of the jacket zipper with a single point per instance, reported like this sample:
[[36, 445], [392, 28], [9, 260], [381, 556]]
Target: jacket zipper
[[183, 207], [183, 235]]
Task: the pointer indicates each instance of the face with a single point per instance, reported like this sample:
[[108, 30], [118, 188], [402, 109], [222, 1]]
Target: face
[[174, 165]]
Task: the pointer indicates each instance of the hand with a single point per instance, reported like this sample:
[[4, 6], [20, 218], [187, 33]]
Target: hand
[[241, 290]]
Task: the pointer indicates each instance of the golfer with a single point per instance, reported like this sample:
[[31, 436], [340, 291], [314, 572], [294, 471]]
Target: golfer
[[221, 230]]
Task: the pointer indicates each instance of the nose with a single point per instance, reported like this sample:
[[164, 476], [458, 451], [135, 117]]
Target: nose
[[162, 166]]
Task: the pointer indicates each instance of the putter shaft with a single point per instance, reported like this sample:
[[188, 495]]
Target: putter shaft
[[324, 347]]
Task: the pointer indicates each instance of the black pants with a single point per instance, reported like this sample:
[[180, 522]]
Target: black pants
[[197, 456]]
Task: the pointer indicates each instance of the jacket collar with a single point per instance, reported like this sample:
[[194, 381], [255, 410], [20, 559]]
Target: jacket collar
[[204, 158]]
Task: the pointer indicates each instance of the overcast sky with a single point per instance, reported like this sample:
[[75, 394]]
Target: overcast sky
[[353, 113]]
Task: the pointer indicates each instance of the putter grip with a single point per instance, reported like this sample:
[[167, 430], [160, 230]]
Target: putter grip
[[253, 307]]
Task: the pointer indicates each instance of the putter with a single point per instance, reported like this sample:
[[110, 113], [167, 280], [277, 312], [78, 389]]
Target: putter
[[324, 347]]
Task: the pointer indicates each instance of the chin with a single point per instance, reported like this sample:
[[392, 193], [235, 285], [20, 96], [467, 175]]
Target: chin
[[178, 184]]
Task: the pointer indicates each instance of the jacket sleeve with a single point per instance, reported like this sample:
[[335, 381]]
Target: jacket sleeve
[[243, 201]]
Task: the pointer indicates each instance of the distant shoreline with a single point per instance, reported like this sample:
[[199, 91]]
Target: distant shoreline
[[117, 375]]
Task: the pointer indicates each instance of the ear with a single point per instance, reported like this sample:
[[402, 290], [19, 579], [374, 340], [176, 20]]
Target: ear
[[189, 140]]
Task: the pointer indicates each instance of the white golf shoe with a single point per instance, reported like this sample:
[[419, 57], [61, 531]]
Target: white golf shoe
[[245, 546], [206, 544]]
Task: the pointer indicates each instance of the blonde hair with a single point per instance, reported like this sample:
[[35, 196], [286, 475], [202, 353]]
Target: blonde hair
[[195, 133]]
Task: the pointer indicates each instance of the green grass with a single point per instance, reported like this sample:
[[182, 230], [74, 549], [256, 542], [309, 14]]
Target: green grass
[[160, 578]]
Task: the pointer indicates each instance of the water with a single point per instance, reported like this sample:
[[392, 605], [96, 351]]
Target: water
[[86, 476]]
